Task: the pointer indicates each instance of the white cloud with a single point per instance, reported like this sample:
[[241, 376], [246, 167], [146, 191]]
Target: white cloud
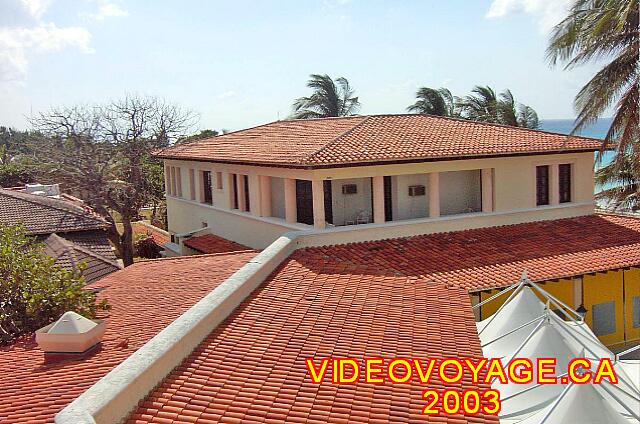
[[33, 35], [106, 9], [226, 95], [547, 12]]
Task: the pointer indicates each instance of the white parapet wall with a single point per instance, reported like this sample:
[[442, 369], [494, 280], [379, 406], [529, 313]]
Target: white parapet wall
[[114, 396]]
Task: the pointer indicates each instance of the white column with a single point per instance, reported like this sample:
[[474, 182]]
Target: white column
[[577, 292], [317, 189], [241, 203], [434, 195], [378, 199], [265, 195], [554, 184], [230, 190], [290, 208], [255, 201], [487, 190]]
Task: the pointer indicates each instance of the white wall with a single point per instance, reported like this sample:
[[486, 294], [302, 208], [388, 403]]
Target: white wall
[[460, 192], [346, 207], [277, 197], [405, 206]]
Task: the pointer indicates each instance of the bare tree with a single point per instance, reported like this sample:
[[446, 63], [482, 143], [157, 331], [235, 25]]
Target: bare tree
[[104, 152]]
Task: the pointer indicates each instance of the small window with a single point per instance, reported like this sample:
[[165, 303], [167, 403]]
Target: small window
[[219, 180], [247, 204], [349, 189], [206, 186], [635, 313], [234, 191], [564, 180], [417, 190], [604, 318], [168, 179], [542, 185]]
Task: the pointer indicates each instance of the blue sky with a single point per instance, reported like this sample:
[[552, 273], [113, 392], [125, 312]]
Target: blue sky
[[242, 63]]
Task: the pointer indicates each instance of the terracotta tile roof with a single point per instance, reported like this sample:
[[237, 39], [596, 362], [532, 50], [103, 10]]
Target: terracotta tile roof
[[496, 256], [46, 215], [210, 243], [159, 235], [151, 293], [371, 139], [251, 367], [70, 255]]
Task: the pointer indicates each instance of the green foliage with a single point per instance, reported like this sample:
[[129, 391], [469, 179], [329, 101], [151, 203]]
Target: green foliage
[[329, 99], [147, 247], [33, 291], [620, 182], [434, 102], [607, 30], [15, 174], [484, 105]]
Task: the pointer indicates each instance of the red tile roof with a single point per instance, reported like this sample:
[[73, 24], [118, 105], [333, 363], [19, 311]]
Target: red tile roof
[[150, 293], [209, 243], [373, 139], [251, 368], [495, 257], [159, 235], [46, 215]]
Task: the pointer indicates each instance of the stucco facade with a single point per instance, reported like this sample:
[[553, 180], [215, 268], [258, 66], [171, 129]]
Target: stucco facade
[[253, 205]]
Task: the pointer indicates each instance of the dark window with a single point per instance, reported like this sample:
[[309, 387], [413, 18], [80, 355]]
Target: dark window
[[247, 204], [564, 177], [349, 189], [206, 184], [542, 185], [304, 201], [234, 188], [604, 318], [328, 201], [388, 196], [635, 312]]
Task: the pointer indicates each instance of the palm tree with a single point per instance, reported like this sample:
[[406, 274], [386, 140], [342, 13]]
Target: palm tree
[[329, 98], [593, 30], [485, 105], [434, 102], [620, 183]]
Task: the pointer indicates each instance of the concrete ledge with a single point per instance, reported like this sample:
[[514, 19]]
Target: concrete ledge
[[112, 398]]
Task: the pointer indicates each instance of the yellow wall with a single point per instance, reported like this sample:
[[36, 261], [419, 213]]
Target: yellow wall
[[598, 288], [631, 289]]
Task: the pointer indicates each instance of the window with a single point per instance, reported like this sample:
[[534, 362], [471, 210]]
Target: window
[[604, 318], [234, 191], [219, 180], [206, 186], [192, 184], [564, 180], [635, 314], [542, 185], [245, 181]]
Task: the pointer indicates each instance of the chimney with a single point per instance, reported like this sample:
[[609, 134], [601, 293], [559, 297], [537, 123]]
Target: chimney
[[71, 333]]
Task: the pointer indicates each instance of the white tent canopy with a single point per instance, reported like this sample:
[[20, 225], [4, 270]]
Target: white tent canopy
[[526, 327]]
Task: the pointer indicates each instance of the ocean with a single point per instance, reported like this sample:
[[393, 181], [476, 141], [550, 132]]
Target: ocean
[[564, 126]]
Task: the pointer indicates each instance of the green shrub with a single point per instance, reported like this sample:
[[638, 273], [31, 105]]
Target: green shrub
[[33, 291]]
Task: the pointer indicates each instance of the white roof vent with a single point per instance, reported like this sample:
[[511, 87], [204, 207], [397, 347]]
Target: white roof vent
[[48, 190], [71, 333]]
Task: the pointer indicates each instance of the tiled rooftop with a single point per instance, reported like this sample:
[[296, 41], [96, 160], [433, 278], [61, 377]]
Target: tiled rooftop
[[496, 256], [145, 298], [210, 243], [251, 367], [46, 215], [372, 139]]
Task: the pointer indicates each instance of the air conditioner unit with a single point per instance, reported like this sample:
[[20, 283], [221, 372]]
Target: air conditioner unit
[[417, 190], [349, 189]]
